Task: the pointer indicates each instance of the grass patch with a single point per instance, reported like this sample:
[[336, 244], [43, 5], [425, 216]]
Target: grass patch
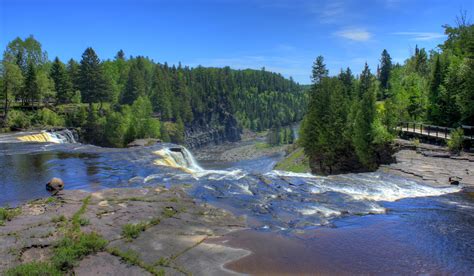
[[132, 231], [34, 269], [72, 249], [296, 162], [58, 219], [76, 218], [51, 200], [7, 214], [132, 257], [169, 212], [262, 145]]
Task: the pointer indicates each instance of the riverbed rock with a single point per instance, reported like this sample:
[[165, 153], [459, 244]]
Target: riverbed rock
[[55, 184], [174, 241], [144, 142]]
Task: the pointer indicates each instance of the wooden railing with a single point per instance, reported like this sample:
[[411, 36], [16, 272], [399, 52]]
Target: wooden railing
[[433, 131]]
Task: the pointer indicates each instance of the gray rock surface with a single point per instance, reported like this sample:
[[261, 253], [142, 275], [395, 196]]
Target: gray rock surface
[[167, 240], [433, 168]]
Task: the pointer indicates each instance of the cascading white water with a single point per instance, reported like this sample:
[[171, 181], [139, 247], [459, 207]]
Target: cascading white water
[[58, 137], [367, 186], [63, 136], [181, 158]]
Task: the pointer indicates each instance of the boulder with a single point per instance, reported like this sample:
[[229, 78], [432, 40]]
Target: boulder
[[144, 142], [55, 184]]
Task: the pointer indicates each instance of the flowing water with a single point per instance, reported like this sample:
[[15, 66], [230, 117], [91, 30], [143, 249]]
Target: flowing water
[[345, 220]]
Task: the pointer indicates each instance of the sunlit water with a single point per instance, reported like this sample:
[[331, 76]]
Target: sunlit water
[[439, 222]]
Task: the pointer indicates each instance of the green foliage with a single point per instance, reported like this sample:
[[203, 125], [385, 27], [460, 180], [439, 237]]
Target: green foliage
[[279, 136], [385, 70], [296, 162], [7, 214], [47, 117], [363, 136], [455, 143], [18, 120], [133, 258], [169, 212], [34, 269], [71, 249], [58, 219], [132, 231], [62, 82], [92, 82]]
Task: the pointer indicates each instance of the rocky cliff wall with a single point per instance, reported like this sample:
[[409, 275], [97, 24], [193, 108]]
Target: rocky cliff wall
[[199, 135]]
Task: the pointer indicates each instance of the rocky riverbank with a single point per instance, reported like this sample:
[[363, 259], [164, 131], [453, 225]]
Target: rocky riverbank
[[139, 231], [432, 164]]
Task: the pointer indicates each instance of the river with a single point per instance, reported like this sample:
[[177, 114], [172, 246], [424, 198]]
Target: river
[[299, 223]]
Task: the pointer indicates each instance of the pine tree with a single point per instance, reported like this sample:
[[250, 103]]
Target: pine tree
[[385, 69], [62, 82], [135, 86], [319, 70], [92, 82], [30, 93], [363, 135], [435, 83]]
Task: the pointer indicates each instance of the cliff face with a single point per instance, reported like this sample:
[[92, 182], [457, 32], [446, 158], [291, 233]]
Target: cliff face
[[201, 134]]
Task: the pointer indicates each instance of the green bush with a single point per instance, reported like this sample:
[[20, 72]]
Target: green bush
[[455, 144], [47, 117], [132, 231], [8, 214], [34, 269], [71, 249], [18, 120]]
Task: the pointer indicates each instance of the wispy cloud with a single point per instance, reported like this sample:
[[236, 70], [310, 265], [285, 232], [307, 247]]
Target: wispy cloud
[[354, 34], [421, 36], [331, 12]]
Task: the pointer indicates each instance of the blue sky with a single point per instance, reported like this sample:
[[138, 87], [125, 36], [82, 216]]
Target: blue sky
[[281, 35]]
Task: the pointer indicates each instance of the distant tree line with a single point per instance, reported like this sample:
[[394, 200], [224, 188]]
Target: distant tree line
[[124, 97], [352, 119]]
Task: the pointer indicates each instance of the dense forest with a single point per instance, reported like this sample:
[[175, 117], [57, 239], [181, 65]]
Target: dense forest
[[351, 120], [116, 101]]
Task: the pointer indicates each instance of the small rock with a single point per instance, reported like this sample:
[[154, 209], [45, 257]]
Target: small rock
[[55, 184]]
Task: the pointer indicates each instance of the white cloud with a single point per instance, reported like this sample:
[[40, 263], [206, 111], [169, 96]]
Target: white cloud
[[354, 34], [331, 12], [421, 36]]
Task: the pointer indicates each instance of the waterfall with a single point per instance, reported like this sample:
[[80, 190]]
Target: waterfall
[[179, 158], [51, 136]]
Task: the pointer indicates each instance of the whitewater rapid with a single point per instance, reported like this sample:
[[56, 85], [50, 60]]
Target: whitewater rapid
[[277, 199]]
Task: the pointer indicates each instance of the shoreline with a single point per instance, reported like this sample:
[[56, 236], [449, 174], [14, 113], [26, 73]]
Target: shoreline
[[174, 237], [198, 237]]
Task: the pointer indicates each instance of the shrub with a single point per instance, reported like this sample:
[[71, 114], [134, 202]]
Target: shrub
[[47, 117], [455, 144], [8, 214], [18, 120], [132, 231], [34, 269], [71, 249]]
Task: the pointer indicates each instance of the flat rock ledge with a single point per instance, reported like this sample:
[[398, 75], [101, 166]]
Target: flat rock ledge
[[180, 243], [433, 166]]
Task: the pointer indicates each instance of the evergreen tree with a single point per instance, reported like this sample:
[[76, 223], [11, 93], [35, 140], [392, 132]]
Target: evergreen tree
[[31, 92], [92, 82], [385, 69], [435, 83], [363, 135], [62, 83], [135, 86], [319, 70]]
